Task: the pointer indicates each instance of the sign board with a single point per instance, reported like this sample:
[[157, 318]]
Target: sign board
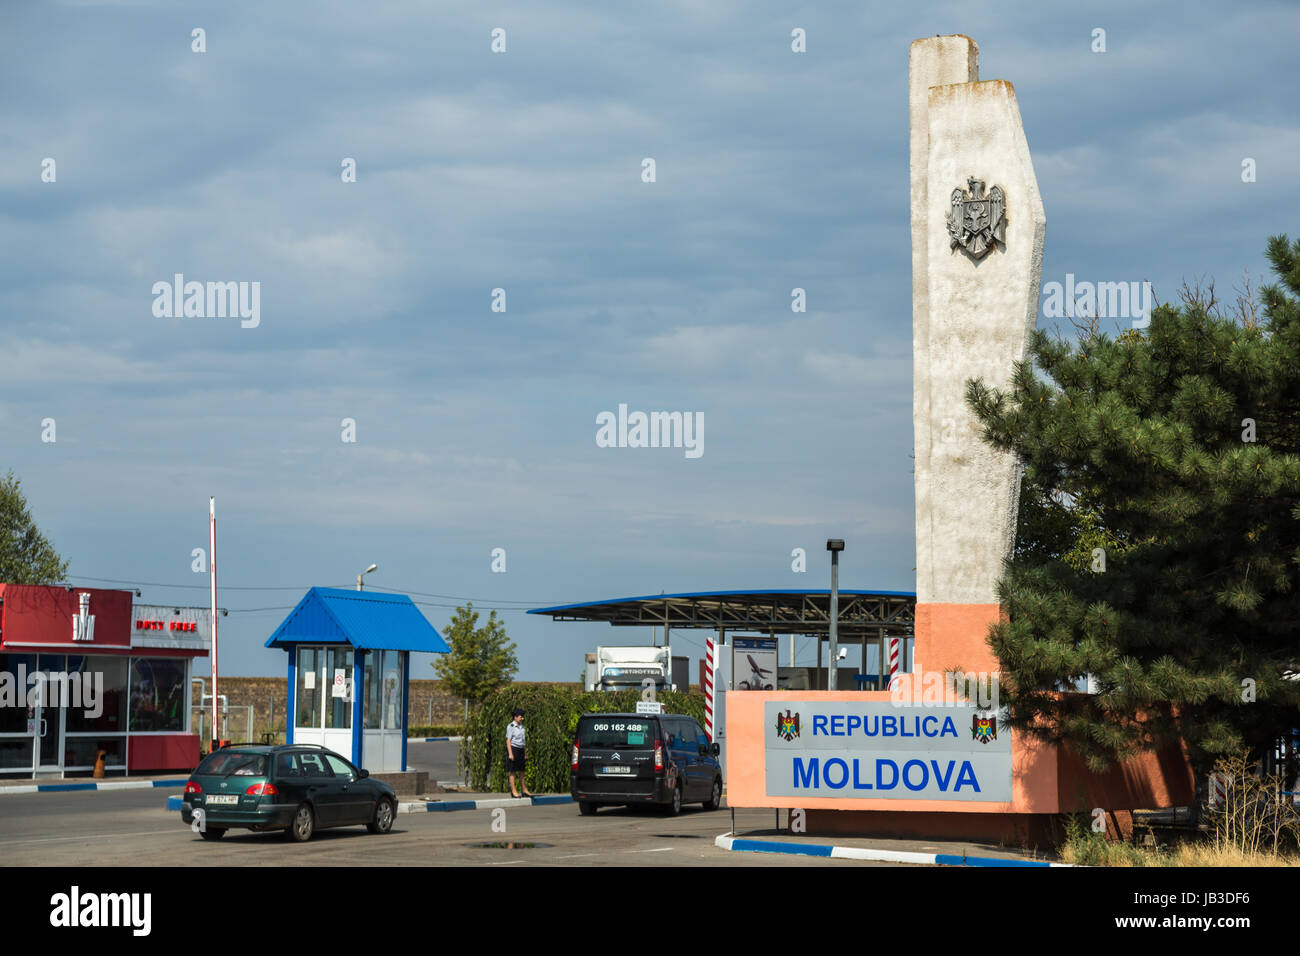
[[340, 682], [885, 751], [162, 625], [309, 680], [753, 663], [649, 707]]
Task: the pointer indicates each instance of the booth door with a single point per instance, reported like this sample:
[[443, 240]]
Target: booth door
[[323, 704]]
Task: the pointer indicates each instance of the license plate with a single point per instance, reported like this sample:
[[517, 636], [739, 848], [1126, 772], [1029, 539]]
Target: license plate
[[618, 770], [223, 798]]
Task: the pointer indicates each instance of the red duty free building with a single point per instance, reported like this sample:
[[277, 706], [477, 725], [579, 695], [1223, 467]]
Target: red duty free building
[[138, 659]]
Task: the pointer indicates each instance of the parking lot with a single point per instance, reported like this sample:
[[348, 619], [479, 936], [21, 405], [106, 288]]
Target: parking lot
[[131, 828]]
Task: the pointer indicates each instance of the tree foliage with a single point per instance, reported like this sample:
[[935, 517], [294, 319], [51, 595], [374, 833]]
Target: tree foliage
[[1173, 454], [26, 555], [481, 659]]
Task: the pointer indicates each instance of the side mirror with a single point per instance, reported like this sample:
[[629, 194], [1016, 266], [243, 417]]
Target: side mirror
[[715, 749], [364, 773]]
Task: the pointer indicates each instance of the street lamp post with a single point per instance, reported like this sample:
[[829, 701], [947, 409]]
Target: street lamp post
[[373, 567], [834, 546]]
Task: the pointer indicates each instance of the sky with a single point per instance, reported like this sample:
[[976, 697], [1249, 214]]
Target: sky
[[522, 170]]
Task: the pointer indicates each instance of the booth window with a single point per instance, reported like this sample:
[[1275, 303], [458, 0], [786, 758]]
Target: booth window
[[308, 693], [383, 710], [338, 710], [392, 689], [157, 694], [374, 690]]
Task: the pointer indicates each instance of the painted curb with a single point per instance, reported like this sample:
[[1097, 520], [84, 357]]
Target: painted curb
[[430, 740], [737, 844], [110, 785], [447, 806]]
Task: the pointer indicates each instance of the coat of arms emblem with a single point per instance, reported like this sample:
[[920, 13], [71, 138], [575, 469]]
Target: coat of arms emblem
[[787, 727], [983, 728], [977, 221]]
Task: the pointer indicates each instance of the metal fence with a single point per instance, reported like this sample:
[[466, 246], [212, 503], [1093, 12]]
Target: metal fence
[[235, 724]]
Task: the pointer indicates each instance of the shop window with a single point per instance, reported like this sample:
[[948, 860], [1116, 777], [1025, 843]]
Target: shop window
[[13, 700], [103, 710], [16, 754], [157, 694], [81, 751]]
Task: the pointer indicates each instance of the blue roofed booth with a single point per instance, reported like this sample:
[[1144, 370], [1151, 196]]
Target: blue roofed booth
[[349, 672]]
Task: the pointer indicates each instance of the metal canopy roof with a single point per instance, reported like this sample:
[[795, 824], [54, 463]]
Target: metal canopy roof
[[861, 613], [364, 619]]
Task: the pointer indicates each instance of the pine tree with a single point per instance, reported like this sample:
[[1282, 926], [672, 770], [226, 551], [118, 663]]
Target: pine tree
[[26, 556], [481, 660], [1159, 532]]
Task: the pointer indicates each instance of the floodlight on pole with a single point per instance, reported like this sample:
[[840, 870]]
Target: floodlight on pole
[[373, 567]]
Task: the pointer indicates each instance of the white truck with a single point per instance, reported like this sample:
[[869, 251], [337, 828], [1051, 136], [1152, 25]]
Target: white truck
[[626, 668]]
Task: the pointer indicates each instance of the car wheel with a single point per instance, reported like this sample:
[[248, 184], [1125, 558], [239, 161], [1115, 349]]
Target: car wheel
[[382, 821], [675, 804], [212, 833], [586, 808], [304, 824], [715, 801]]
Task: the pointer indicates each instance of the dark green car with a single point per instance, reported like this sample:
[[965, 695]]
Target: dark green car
[[295, 788]]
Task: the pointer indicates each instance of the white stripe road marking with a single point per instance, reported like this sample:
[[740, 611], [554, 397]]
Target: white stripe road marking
[[658, 849], [90, 836], [574, 856]]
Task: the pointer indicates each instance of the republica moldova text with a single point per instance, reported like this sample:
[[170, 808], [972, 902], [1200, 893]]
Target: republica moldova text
[[889, 725], [914, 775]]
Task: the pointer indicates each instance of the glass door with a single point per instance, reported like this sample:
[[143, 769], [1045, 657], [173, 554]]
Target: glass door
[[50, 704]]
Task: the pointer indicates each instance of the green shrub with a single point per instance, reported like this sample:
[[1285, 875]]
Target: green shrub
[[437, 730], [551, 718]]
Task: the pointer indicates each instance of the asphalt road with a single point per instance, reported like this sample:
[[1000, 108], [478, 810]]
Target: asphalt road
[[131, 828], [439, 758]]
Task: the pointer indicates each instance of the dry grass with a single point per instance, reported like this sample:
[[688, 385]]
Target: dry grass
[[1255, 827]]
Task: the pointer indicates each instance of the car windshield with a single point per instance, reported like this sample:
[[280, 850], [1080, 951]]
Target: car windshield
[[227, 763], [616, 732]]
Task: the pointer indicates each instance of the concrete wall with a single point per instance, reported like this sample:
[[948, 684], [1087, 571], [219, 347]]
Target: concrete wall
[[932, 61], [971, 317]]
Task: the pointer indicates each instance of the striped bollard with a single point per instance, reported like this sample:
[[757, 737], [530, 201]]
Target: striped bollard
[[893, 661], [1218, 795], [708, 689]]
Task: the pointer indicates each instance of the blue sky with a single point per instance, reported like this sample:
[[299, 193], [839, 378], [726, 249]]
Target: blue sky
[[522, 170]]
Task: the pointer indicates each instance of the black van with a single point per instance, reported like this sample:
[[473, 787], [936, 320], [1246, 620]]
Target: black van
[[635, 759]]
